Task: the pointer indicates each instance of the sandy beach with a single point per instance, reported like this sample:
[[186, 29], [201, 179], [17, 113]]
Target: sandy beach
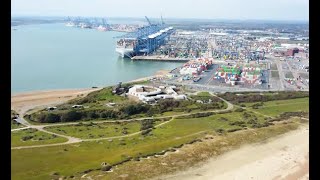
[[22, 102], [158, 74], [285, 157]]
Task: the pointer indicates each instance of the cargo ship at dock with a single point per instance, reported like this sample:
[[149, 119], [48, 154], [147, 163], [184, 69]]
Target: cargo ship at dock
[[143, 41]]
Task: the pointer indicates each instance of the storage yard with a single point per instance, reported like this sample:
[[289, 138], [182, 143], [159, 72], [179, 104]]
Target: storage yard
[[223, 60], [218, 59]]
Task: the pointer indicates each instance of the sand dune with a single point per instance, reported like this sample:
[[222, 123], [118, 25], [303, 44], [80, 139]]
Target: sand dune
[[285, 157]]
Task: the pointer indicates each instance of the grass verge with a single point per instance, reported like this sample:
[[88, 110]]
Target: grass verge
[[28, 137]]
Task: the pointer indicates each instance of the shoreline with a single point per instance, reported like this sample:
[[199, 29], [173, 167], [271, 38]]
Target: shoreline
[[283, 157], [31, 100], [32, 92], [26, 101], [48, 91]]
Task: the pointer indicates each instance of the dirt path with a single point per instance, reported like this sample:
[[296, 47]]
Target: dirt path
[[76, 140], [285, 157]]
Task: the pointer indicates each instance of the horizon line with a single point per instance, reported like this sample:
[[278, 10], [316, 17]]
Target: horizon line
[[151, 17]]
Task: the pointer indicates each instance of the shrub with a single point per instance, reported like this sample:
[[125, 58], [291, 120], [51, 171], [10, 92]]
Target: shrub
[[71, 116], [52, 118], [220, 131], [26, 138], [246, 115], [234, 129], [252, 121], [92, 115], [223, 119], [167, 104], [134, 109], [147, 124], [239, 110], [237, 123], [41, 117], [145, 132]]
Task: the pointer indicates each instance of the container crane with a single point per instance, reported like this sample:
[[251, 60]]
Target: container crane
[[105, 24], [148, 20], [162, 22]]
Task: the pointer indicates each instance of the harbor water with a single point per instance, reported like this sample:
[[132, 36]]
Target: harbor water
[[53, 56]]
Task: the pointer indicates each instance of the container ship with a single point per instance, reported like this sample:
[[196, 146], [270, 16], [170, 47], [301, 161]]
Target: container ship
[[143, 41]]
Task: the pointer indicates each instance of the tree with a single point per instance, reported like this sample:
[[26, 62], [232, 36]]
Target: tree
[[52, 118], [92, 115], [71, 116]]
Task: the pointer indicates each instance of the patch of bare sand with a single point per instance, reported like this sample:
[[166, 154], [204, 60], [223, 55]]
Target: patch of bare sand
[[162, 72], [158, 74], [24, 101], [285, 157]]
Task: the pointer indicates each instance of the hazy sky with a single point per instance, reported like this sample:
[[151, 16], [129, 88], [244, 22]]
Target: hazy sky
[[209, 9]]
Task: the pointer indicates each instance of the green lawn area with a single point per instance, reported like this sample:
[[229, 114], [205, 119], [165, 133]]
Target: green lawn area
[[42, 161], [39, 163], [274, 108], [98, 130], [203, 94], [33, 137]]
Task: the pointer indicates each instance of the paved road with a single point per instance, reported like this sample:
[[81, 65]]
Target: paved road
[[72, 140]]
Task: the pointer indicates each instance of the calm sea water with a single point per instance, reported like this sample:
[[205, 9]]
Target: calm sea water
[[53, 56]]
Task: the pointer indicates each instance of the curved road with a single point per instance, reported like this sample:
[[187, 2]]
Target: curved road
[[77, 140]]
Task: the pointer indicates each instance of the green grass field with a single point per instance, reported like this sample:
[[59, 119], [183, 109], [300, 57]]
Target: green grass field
[[39, 163], [33, 137], [98, 130], [274, 108], [174, 133], [203, 94]]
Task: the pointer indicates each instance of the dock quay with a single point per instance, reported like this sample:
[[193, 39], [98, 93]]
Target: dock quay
[[172, 59], [159, 58]]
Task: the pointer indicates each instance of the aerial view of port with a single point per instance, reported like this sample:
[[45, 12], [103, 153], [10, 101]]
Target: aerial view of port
[[159, 90]]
